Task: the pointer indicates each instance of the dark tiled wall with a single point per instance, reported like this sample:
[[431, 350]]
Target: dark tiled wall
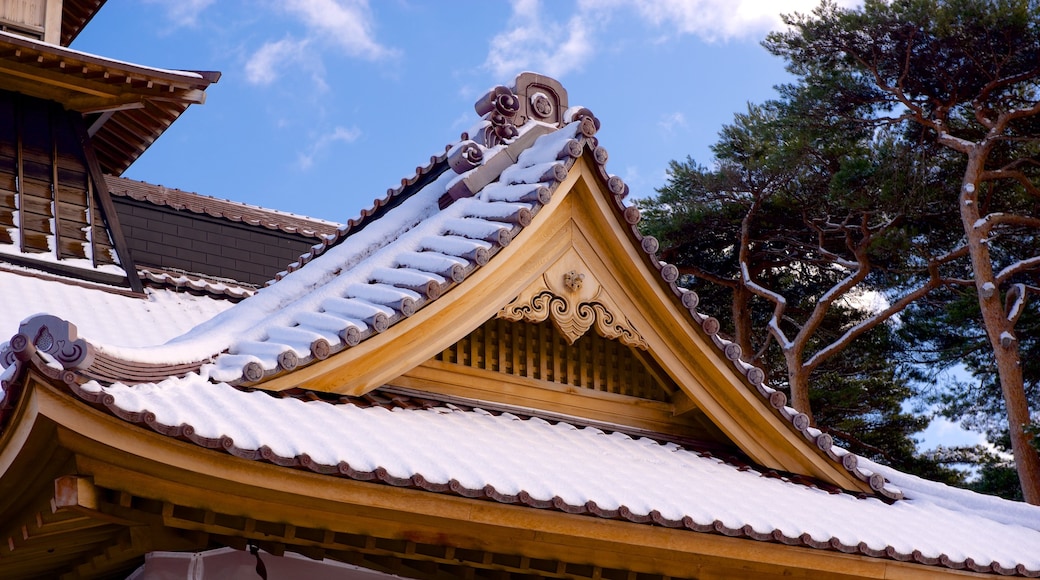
[[167, 238]]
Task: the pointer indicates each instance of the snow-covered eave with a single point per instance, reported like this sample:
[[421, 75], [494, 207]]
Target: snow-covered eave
[[202, 78], [219, 289], [111, 274], [907, 543]]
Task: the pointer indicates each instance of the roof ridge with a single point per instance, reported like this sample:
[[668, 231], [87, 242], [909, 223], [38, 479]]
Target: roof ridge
[[217, 287], [234, 211]]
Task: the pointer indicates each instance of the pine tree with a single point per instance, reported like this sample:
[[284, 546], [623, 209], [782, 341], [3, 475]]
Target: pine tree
[[966, 74]]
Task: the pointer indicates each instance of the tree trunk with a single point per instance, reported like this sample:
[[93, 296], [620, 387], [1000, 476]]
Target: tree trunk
[[798, 379], [741, 311], [1000, 332]]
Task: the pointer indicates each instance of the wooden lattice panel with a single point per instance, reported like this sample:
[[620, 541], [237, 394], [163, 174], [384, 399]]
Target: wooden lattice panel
[[44, 181], [539, 351]]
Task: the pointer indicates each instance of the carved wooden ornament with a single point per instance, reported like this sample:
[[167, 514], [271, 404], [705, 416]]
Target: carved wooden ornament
[[575, 301]]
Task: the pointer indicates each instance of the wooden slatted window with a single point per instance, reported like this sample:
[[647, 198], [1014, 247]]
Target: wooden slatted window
[[8, 173], [47, 202], [540, 352]]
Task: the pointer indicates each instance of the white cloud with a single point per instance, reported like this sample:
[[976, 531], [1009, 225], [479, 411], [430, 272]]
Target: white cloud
[[342, 25], [264, 66], [184, 12], [305, 160], [713, 20], [671, 121], [346, 24], [531, 44]]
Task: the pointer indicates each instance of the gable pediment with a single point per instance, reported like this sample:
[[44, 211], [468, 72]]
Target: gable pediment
[[585, 229]]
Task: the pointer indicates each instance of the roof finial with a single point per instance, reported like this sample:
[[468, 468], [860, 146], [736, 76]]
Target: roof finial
[[533, 97]]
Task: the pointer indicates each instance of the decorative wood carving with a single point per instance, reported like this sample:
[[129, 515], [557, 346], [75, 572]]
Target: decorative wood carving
[[575, 302]]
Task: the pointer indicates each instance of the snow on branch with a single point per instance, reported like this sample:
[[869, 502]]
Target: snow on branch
[[985, 224], [1029, 264], [1015, 302], [780, 304]]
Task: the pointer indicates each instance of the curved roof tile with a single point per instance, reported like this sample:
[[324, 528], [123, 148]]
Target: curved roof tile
[[526, 460]]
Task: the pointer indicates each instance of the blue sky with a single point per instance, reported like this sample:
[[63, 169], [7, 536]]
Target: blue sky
[[324, 104]]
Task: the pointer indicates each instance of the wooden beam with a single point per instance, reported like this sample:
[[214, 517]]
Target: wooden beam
[[101, 120], [76, 492], [57, 79], [108, 209], [52, 120]]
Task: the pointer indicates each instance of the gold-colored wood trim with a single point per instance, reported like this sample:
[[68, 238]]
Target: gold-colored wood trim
[[483, 385]]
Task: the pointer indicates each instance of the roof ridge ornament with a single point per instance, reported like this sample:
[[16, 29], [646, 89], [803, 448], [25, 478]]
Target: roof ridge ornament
[[533, 97], [51, 335]]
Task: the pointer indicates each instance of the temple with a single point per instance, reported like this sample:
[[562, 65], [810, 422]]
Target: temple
[[489, 373]]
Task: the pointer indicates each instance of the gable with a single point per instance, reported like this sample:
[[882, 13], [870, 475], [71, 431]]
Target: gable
[[434, 265], [535, 366], [586, 229]]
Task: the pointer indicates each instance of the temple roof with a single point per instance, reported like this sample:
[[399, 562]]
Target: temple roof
[[227, 209], [517, 457], [430, 243]]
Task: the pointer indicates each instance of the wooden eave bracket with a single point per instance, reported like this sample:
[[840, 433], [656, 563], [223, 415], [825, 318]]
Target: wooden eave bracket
[[79, 494], [75, 492]]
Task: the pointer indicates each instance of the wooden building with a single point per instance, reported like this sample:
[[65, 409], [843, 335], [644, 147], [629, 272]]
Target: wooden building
[[488, 374]]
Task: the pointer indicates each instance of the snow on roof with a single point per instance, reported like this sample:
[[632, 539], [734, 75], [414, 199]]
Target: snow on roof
[[93, 58], [356, 288], [531, 461], [102, 314], [423, 242]]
